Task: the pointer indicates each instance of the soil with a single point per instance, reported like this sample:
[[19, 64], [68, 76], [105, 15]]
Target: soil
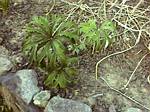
[[116, 70]]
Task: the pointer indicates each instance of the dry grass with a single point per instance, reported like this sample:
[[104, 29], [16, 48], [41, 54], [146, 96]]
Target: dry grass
[[132, 20]]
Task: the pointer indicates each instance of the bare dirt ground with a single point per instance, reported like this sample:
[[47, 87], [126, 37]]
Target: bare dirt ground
[[115, 71]]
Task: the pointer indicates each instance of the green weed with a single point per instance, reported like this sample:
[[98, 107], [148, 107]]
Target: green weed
[[50, 39], [46, 48], [97, 37]]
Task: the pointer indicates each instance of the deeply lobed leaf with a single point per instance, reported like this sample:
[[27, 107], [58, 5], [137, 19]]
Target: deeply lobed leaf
[[48, 51]]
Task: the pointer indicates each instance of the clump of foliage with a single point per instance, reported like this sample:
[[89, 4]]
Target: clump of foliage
[[62, 75], [95, 36], [107, 32], [4, 5], [49, 40], [45, 44]]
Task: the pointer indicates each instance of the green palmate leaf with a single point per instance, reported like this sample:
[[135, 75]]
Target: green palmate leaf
[[59, 51], [70, 71], [69, 35], [47, 48], [90, 33], [41, 27], [97, 37], [107, 31], [88, 27], [52, 62], [61, 80], [41, 55], [72, 60], [58, 78], [33, 53], [108, 26], [27, 46], [77, 47], [50, 79], [57, 20]]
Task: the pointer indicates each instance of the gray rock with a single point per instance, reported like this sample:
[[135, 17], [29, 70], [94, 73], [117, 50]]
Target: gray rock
[[41, 98], [58, 104], [28, 86], [23, 84], [5, 65], [133, 110]]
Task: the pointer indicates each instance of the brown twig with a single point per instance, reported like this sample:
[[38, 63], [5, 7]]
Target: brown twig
[[131, 99], [134, 71]]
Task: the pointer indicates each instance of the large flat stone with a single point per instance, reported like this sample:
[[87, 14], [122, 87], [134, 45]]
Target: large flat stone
[[58, 104]]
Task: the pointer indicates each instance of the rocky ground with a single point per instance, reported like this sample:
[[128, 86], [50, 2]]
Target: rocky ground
[[22, 86]]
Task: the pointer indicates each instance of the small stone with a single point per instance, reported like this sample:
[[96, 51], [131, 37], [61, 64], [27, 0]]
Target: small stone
[[5, 65], [58, 104], [41, 98], [133, 110], [91, 101]]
